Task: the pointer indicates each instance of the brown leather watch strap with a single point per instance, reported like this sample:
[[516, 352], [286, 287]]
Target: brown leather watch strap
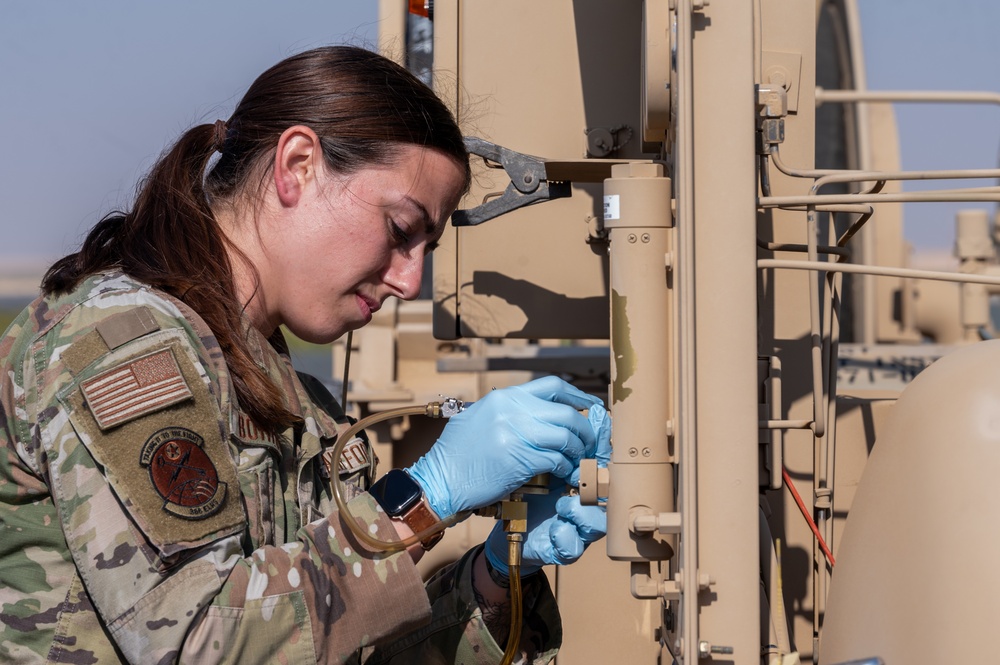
[[421, 517]]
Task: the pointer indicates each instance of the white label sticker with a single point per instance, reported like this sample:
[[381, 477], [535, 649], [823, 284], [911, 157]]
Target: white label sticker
[[611, 207]]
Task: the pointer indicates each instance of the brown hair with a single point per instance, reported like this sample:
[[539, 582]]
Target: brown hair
[[361, 105]]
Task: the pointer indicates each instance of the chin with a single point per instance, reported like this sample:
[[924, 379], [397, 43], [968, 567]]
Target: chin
[[321, 335]]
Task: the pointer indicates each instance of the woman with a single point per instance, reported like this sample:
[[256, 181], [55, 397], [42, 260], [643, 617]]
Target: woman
[[162, 494]]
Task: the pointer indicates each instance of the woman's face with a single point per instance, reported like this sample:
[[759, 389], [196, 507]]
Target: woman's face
[[350, 242]]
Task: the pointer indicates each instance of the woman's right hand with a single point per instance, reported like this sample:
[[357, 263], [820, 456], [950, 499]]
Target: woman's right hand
[[502, 441]]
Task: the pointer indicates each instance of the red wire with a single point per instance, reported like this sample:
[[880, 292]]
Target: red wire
[[805, 514]]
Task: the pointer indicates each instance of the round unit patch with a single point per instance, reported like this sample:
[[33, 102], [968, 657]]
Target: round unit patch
[[182, 474]]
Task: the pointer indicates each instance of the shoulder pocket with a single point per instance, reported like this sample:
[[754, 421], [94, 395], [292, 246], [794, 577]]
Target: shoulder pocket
[[148, 418]]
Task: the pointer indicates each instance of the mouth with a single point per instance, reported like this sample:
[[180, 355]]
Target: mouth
[[368, 306]]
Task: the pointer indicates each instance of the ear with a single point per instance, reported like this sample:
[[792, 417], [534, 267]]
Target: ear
[[297, 161]]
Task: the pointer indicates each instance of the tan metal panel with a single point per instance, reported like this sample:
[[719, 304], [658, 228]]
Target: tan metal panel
[[545, 73], [725, 325]]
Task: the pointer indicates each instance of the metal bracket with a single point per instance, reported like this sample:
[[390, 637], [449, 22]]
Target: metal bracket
[[529, 183], [772, 101], [772, 105]]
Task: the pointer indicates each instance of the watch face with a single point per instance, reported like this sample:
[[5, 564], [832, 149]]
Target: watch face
[[396, 492]]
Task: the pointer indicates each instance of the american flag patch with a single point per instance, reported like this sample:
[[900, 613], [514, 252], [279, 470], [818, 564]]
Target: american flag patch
[[138, 387]]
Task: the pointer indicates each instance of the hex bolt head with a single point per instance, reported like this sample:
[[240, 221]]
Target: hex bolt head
[[645, 237], [631, 237], [633, 452]]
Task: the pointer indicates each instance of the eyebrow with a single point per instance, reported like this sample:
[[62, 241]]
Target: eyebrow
[[429, 224]]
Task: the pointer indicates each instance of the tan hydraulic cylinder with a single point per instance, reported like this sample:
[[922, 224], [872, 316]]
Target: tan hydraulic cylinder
[[638, 218]]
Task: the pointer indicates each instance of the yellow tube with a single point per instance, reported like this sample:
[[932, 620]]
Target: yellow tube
[[432, 410], [514, 565]]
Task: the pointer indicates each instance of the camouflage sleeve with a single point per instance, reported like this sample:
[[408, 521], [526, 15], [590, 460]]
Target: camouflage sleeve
[[319, 600], [457, 632], [145, 495]]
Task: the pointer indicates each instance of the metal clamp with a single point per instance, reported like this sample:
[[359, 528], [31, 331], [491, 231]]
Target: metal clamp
[[529, 183]]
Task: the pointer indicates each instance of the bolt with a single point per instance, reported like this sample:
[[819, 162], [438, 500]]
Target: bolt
[[646, 452], [632, 452], [645, 237], [778, 76], [631, 237], [705, 649]]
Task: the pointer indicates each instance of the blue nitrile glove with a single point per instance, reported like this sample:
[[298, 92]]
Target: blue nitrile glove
[[559, 527], [559, 530], [600, 421], [502, 440]]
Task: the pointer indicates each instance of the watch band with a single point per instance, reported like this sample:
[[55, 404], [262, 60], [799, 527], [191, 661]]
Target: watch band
[[402, 498], [421, 517]]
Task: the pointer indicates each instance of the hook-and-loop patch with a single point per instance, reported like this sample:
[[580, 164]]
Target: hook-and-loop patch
[[148, 418], [135, 388]]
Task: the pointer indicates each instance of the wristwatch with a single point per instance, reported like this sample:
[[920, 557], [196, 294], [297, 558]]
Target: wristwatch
[[402, 499]]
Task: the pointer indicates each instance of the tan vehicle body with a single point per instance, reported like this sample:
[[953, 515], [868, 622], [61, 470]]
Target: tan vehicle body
[[706, 143]]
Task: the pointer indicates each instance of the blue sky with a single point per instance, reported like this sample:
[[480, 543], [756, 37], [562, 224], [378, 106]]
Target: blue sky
[[92, 91], [934, 45]]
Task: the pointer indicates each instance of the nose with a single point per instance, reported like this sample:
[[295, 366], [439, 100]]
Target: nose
[[404, 274]]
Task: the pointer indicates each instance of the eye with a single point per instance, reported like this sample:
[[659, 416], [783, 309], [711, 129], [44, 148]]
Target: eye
[[401, 236]]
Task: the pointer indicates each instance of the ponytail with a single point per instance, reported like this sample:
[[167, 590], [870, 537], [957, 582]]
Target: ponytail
[[171, 241]]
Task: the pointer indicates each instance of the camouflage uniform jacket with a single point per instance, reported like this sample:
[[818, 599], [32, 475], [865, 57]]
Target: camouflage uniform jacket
[[145, 518]]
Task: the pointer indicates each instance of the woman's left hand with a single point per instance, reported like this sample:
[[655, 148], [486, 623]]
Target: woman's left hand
[[559, 527], [560, 539]]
